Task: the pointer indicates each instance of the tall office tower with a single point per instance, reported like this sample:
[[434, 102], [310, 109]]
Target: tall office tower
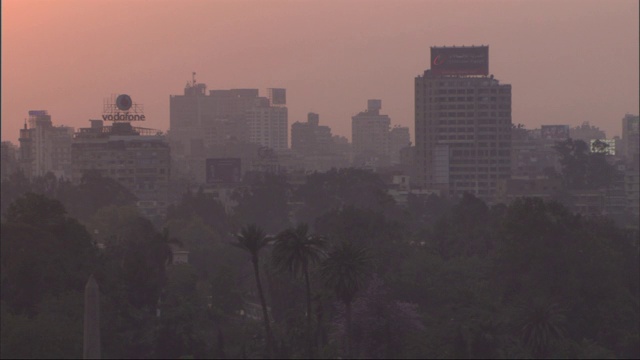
[[370, 135], [398, 139], [137, 158], [268, 121], [462, 123], [630, 136], [45, 148], [310, 138], [198, 121]]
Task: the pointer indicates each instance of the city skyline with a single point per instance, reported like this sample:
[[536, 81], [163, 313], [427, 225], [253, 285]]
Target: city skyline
[[568, 62]]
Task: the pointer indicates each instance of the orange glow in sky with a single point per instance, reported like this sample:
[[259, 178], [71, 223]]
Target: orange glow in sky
[[568, 61]]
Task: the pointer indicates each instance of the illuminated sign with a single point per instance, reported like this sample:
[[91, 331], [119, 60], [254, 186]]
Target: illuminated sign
[[603, 146], [472, 60]]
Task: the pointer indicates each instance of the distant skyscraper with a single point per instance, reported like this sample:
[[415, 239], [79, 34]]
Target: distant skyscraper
[[269, 124], [309, 138], [45, 148], [235, 123], [462, 124], [630, 136], [198, 120], [399, 138], [370, 135]]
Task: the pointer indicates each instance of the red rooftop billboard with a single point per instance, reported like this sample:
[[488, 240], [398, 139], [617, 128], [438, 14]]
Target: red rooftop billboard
[[472, 60]]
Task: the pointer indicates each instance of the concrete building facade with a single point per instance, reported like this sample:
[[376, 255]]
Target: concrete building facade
[[399, 138], [310, 138], [463, 133], [370, 135], [45, 148], [138, 160], [268, 126], [198, 120], [630, 136]]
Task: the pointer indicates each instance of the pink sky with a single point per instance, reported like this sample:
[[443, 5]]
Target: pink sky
[[568, 61]]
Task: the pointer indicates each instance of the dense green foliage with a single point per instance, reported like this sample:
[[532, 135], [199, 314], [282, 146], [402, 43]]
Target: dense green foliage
[[361, 277], [583, 169]]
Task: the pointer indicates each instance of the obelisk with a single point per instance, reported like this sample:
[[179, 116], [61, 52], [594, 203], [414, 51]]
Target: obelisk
[[91, 349]]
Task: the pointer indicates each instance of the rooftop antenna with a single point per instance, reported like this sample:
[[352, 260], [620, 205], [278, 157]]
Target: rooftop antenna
[[193, 77]]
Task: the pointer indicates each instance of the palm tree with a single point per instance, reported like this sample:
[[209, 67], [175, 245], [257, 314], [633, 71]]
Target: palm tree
[[345, 271], [542, 326], [295, 249], [252, 239]]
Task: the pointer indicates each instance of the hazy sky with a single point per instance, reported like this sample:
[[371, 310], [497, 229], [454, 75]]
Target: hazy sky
[[568, 61]]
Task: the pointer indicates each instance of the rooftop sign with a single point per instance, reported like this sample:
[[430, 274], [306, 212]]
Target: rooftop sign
[[122, 108], [473, 60]]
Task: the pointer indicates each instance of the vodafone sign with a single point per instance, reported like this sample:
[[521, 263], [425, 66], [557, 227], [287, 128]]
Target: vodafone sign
[[123, 117], [122, 108]]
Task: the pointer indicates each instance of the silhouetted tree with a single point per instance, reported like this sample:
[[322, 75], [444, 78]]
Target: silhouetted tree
[[44, 252], [294, 251], [380, 323], [338, 189], [252, 239], [541, 327], [582, 169], [345, 271]]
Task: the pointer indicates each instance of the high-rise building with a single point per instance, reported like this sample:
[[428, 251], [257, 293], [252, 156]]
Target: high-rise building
[[223, 123], [198, 120], [630, 136], [45, 148], [313, 148], [268, 126], [309, 138], [462, 123], [399, 138], [370, 136]]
